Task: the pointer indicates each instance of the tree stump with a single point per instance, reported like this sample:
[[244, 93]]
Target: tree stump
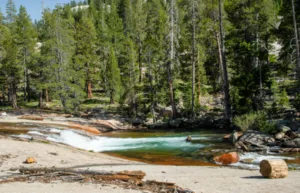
[[273, 168]]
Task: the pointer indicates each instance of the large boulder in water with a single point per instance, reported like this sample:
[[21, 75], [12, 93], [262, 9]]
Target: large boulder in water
[[256, 138], [227, 158], [295, 143]]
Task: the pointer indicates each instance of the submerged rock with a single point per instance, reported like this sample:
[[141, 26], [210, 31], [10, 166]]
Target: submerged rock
[[189, 139], [228, 158]]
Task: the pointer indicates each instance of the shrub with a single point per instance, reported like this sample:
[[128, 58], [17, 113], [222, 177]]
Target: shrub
[[296, 102], [283, 99], [254, 121]]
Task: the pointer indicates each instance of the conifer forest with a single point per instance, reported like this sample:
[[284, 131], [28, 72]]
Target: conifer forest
[[137, 57]]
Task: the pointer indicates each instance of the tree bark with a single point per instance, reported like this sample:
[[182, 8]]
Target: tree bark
[[112, 101], [28, 86], [151, 88], [172, 58], [47, 95], [140, 62], [199, 91], [193, 57], [25, 76], [89, 90], [41, 99], [13, 96], [297, 40], [224, 66], [273, 168]]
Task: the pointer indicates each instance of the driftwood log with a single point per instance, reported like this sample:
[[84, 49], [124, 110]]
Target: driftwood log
[[34, 118], [126, 179], [273, 168]]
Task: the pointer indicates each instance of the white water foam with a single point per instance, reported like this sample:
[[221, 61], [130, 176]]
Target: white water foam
[[36, 133], [257, 158], [101, 144], [53, 130], [24, 136]]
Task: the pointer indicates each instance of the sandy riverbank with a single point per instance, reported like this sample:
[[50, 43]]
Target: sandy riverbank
[[198, 179]]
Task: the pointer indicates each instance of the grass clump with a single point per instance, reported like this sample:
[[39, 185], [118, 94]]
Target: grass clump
[[255, 121]]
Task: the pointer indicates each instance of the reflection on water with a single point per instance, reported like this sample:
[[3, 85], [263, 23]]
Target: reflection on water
[[166, 148]]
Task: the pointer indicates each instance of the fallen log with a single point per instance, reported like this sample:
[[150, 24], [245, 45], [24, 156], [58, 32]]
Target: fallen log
[[126, 175], [125, 179], [273, 168], [84, 128], [33, 118]]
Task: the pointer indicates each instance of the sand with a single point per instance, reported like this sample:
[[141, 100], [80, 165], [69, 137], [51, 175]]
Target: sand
[[196, 178]]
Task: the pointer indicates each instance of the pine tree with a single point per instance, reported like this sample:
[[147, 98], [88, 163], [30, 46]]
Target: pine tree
[[139, 32], [26, 40], [248, 22], [224, 67], [66, 82], [85, 54], [154, 53], [296, 32], [11, 12], [172, 52], [113, 76], [10, 68]]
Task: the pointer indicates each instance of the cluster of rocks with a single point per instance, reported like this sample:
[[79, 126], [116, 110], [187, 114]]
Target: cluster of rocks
[[285, 140]]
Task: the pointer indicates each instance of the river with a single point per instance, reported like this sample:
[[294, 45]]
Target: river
[[155, 147]]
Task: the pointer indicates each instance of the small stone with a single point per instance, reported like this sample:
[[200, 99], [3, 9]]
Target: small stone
[[279, 135], [247, 161], [189, 139], [30, 160]]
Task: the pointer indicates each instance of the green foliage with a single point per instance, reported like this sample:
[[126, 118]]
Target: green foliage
[[296, 102], [283, 99], [114, 78], [254, 121], [130, 50], [280, 97], [246, 51]]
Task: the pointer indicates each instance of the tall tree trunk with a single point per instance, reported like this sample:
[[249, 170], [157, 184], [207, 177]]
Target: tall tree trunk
[[193, 57], [224, 65], [13, 94], [140, 61], [28, 85], [199, 91], [112, 101], [172, 58], [25, 75], [46, 95], [297, 40], [89, 90], [151, 88], [41, 104], [3, 93]]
